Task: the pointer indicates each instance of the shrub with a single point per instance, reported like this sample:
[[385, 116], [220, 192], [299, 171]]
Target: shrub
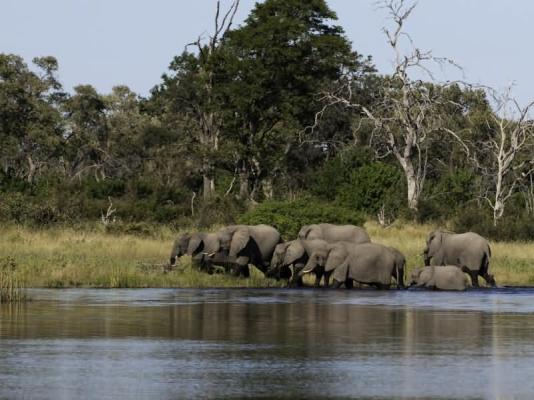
[[372, 187], [515, 226], [289, 216], [335, 172]]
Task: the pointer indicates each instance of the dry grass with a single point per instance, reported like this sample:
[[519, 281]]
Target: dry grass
[[511, 263], [69, 258]]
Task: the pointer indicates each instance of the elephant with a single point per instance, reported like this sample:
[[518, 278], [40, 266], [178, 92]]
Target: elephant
[[296, 253], [198, 245], [448, 277], [368, 263], [468, 250], [241, 245], [334, 233]]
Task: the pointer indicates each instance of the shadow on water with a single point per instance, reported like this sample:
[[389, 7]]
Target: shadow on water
[[168, 343]]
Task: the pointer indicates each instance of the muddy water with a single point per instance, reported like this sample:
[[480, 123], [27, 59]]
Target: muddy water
[[169, 344]]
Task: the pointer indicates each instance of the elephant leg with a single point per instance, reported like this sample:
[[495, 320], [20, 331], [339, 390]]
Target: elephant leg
[[318, 276], [349, 283], [337, 284], [327, 279], [474, 278], [490, 280]]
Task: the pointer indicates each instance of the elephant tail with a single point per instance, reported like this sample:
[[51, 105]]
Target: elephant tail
[[486, 260]]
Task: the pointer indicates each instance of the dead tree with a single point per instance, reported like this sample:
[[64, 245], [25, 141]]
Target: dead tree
[[503, 159], [208, 118], [405, 115]]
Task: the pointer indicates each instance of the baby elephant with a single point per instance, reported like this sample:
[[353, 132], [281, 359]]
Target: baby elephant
[[448, 277]]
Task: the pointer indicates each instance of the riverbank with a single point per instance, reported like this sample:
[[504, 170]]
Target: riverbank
[[65, 257]]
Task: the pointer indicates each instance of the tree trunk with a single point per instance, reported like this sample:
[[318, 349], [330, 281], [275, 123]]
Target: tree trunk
[[244, 189], [208, 186], [267, 188], [208, 181], [32, 168]]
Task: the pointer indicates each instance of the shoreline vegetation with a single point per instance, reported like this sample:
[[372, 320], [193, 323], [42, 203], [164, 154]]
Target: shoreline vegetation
[[69, 257]]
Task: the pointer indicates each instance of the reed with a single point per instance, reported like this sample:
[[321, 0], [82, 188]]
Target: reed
[[12, 285]]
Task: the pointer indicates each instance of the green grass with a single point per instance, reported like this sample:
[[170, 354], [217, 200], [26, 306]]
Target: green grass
[[65, 257]]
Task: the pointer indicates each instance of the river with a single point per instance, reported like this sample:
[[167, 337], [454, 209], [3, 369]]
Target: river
[[271, 343]]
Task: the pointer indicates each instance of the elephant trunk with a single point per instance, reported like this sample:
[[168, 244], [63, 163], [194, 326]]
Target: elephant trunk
[[426, 257]]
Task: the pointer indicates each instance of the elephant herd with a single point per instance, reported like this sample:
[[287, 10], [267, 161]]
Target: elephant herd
[[341, 253]]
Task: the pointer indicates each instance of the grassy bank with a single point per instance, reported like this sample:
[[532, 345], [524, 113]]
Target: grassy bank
[[71, 258]]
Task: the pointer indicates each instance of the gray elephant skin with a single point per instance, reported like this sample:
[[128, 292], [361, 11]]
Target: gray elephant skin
[[367, 263], [289, 259], [242, 245], [468, 250], [334, 233], [448, 277], [197, 245]]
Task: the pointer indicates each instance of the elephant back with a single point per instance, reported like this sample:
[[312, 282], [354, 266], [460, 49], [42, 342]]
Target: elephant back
[[341, 233]]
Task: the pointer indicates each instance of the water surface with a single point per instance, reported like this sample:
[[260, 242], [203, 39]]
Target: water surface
[[184, 343]]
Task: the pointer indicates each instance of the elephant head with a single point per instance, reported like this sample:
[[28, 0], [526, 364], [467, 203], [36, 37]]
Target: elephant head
[[414, 276], [233, 239], [179, 247], [433, 246], [329, 258], [277, 260], [316, 259]]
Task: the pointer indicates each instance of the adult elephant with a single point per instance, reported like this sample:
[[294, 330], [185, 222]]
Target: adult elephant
[[289, 259], [198, 245], [367, 263], [334, 233], [242, 245], [469, 251], [448, 277]]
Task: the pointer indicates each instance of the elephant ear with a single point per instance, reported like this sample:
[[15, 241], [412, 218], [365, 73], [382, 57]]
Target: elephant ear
[[195, 245], [435, 241], [341, 272], [293, 252], [305, 231], [335, 258], [240, 239]]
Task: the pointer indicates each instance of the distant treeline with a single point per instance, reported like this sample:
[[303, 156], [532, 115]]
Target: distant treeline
[[279, 117]]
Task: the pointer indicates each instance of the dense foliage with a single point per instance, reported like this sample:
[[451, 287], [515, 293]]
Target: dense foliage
[[238, 130]]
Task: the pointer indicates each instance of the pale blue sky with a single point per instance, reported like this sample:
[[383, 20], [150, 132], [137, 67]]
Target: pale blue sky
[[110, 42]]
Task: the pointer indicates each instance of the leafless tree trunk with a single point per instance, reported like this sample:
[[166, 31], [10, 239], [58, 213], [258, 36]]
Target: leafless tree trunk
[[210, 121], [501, 159], [406, 115]]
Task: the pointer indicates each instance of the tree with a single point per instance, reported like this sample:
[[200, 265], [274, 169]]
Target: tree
[[87, 140], [30, 122], [193, 88], [285, 53], [504, 157], [406, 110]]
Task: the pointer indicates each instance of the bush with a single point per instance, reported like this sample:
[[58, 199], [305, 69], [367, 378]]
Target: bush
[[518, 226], [289, 216], [336, 172], [372, 187]]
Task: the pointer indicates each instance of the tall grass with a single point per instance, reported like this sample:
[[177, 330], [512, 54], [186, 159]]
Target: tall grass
[[65, 257], [11, 283]]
